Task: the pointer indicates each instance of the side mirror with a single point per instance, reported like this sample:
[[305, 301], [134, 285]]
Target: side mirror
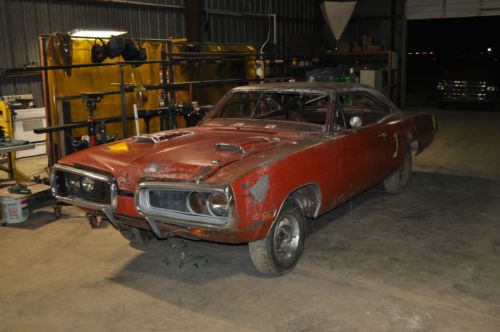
[[355, 122]]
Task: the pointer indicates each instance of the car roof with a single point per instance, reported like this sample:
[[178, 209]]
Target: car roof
[[319, 87]]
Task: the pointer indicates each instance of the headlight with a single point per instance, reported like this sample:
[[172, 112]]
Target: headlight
[[74, 182], [87, 184], [196, 202], [218, 204], [440, 86], [491, 88]]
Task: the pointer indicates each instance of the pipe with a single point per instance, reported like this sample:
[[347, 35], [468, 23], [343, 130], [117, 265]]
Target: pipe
[[136, 120], [130, 3]]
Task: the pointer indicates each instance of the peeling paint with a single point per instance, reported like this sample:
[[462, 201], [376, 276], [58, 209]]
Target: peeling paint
[[153, 168], [123, 181], [260, 188], [265, 163]]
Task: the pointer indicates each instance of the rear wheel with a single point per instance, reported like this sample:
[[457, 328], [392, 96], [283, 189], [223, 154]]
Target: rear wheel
[[397, 181], [280, 250], [135, 236]]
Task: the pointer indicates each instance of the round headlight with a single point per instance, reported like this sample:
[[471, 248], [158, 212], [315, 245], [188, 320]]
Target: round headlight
[[87, 184], [74, 181], [196, 202], [218, 204]]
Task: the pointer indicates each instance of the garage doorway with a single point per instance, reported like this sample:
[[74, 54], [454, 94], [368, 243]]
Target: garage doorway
[[462, 50]]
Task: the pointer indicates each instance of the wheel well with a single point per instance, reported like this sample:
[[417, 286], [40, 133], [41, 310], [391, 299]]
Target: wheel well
[[308, 198]]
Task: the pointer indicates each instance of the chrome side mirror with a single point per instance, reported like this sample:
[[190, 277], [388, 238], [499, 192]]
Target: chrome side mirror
[[355, 122]]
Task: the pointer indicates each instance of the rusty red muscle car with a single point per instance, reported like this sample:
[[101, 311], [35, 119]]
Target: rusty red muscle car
[[263, 162]]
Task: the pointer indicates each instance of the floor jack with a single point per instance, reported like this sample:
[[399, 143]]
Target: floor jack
[[91, 99]]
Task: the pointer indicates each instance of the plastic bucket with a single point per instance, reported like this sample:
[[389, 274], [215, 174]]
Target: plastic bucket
[[14, 211]]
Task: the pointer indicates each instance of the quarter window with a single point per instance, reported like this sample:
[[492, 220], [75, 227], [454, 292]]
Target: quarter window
[[364, 106]]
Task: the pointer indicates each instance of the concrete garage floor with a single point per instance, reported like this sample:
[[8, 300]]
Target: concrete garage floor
[[426, 260]]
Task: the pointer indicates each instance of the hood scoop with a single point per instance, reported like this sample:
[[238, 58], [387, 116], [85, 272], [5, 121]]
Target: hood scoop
[[253, 144], [230, 148], [160, 137]]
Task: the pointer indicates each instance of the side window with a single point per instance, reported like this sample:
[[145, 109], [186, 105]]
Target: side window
[[363, 106]]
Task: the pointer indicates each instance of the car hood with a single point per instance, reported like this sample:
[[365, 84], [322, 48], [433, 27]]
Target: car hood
[[188, 155]]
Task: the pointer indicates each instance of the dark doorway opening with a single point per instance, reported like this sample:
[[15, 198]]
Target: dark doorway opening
[[435, 46]]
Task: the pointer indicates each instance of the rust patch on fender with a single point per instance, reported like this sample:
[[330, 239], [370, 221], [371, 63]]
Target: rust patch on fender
[[260, 188]]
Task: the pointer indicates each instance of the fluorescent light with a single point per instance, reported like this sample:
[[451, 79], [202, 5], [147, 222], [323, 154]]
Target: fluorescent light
[[96, 33]]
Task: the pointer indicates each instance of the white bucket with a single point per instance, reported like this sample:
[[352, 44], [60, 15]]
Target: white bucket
[[14, 211]]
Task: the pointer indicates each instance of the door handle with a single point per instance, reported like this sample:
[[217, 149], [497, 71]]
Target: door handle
[[382, 136]]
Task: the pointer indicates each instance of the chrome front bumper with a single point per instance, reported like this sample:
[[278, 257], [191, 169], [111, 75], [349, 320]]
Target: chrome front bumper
[[151, 214]]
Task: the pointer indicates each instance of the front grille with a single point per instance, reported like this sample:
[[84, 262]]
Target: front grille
[[174, 200], [473, 90], [168, 199]]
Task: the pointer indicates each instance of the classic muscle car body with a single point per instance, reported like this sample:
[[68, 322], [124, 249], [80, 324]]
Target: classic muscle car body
[[266, 159]]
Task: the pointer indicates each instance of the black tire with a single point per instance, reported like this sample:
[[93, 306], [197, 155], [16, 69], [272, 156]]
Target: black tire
[[280, 250], [135, 236], [398, 180]]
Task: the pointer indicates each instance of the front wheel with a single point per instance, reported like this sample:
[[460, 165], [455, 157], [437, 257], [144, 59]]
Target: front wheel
[[397, 181], [280, 250]]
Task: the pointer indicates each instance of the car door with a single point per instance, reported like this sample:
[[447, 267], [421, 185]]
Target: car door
[[369, 148]]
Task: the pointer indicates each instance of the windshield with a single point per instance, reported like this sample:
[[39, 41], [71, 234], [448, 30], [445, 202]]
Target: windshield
[[293, 106]]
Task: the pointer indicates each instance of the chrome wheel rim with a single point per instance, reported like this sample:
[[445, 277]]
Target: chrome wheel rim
[[286, 238]]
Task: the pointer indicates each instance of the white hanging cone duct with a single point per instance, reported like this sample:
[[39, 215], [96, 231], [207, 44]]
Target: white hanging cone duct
[[337, 15]]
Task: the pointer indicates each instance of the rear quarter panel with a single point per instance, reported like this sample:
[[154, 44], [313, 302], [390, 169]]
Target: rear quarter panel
[[425, 129]]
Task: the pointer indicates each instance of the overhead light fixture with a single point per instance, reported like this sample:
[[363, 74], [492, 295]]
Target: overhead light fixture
[[96, 33]]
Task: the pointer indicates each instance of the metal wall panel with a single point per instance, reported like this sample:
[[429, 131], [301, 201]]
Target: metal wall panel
[[22, 21], [427, 9], [373, 18], [252, 25]]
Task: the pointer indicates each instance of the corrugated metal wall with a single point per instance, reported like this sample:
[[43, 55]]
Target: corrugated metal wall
[[21, 21], [427, 9], [293, 18], [373, 18]]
